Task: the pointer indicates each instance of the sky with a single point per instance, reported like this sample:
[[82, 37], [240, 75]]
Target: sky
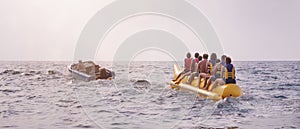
[[249, 30]]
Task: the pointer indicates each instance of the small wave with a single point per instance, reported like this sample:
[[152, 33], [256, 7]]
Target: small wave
[[27, 74], [8, 126], [202, 127], [141, 84], [120, 123], [10, 89], [10, 71], [290, 84], [52, 72], [84, 126], [280, 97], [31, 73], [255, 72], [142, 81]]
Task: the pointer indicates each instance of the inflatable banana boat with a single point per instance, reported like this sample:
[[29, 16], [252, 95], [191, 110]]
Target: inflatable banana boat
[[218, 93]]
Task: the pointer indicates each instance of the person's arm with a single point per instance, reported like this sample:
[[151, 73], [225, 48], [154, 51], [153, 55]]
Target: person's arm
[[222, 72], [215, 69], [184, 63], [199, 67], [196, 68], [234, 72], [193, 66]]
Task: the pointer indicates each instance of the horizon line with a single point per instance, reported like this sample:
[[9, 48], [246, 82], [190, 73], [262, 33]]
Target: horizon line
[[279, 60]]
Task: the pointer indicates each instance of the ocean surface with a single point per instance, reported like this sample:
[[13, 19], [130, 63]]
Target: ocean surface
[[43, 95]]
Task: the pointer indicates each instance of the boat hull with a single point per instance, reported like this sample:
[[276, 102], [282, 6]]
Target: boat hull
[[80, 75]]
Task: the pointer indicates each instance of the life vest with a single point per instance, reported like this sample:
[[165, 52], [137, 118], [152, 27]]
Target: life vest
[[188, 63], [209, 67], [229, 74]]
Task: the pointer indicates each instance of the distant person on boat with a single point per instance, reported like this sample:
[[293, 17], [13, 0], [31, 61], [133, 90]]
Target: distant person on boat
[[227, 74], [187, 66], [104, 73], [205, 69], [80, 66]]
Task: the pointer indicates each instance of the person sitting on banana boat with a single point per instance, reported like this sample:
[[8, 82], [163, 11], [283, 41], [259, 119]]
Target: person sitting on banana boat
[[195, 62], [212, 63], [217, 70], [227, 74], [205, 69], [187, 66]]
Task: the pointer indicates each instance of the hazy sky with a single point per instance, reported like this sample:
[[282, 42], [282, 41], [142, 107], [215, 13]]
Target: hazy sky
[[248, 29]]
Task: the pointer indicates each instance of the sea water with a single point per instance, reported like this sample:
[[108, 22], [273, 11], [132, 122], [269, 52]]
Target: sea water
[[44, 95]]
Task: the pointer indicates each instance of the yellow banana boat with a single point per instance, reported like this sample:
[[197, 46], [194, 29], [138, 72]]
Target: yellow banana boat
[[218, 93]]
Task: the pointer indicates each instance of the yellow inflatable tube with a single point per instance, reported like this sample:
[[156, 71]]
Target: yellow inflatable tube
[[218, 93]]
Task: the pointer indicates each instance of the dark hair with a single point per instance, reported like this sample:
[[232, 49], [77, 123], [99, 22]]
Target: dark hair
[[205, 56], [188, 55], [228, 60], [200, 58], [196, 55]]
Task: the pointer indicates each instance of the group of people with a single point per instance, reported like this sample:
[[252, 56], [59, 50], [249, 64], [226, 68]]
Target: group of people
[[214, 70], [90, 68]]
